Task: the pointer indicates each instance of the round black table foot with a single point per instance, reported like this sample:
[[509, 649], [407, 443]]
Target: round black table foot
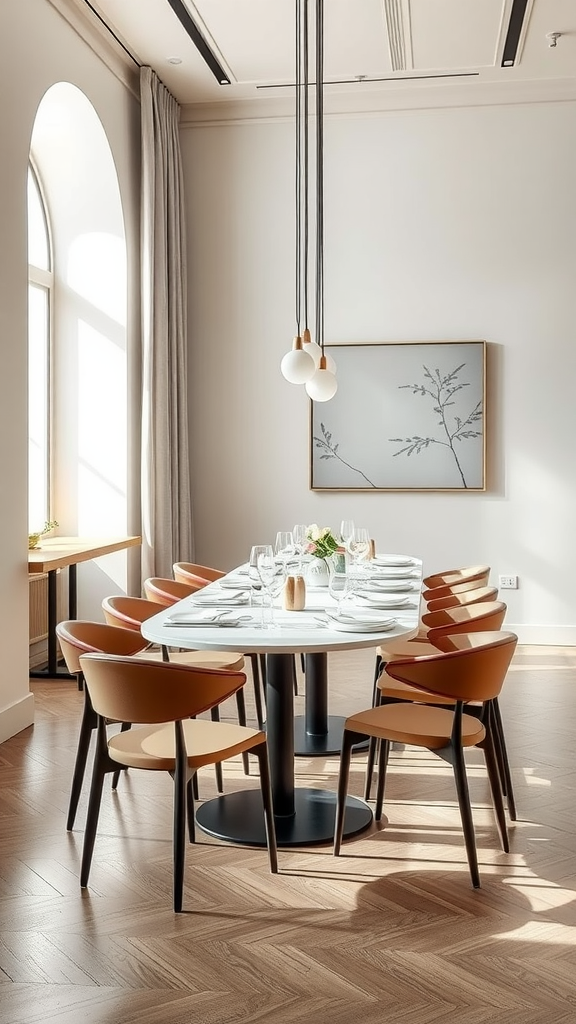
[[308, 744], [239, 818]]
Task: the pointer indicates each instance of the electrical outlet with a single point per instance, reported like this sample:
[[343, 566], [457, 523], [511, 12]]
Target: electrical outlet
[[508, 582]]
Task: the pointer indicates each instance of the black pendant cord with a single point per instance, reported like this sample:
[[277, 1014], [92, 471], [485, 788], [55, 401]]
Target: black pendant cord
[[320, 174], [298, 49], [306, 161]]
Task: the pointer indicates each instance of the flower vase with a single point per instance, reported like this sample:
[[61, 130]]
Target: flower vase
[[317, 572]]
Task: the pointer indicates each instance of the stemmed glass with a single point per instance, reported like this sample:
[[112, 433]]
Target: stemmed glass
[[267, 572], [346, 532], [339, 582], [299, 538], [285, 548], [359, 548], [253, 574]]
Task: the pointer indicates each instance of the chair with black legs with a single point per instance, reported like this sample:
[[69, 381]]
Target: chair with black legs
[[482, 617], [77, 637], [472, 667], [166, 699]]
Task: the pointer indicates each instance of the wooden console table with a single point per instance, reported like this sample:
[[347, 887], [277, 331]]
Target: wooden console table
[[64, 553]]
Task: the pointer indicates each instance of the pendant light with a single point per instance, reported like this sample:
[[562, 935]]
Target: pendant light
[[298, 365], [322, 386]]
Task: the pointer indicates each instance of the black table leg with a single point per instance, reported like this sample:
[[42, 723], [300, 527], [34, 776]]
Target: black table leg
[[52, 669], [318, 734], [303, 816]]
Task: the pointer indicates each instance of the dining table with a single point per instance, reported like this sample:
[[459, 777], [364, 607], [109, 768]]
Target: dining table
[[221, 617]]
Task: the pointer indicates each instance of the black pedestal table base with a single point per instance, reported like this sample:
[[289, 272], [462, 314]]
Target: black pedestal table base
[[308, 744], [239, 818]]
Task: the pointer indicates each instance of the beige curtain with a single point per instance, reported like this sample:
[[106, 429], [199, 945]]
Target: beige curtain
[[166, 504]]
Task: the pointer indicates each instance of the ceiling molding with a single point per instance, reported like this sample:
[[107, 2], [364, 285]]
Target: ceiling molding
[[98, 37], [366, 104]]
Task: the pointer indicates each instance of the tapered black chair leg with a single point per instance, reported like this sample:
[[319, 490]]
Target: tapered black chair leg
[[89, 721], [215, 716], [116, 776], [190, 809], [257, 690], [241, 709], [500, 746], [101, 767], [466, 813], [493, 772], [383, 755], [266, 787], [179, 840], [348, 741]]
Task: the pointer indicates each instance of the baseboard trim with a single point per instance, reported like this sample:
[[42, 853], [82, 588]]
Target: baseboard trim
[[17, 717], [546, 636]]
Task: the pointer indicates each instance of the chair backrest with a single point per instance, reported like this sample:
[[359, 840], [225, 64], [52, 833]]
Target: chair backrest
[[168, 592], [472, 618], [189, 572], [79, 637], [479, 573], [468, 597], [468, 666], [451, 588], [151, 691], [128, 612]]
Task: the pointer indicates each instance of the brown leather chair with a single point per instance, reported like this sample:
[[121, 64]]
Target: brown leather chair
[[470, 667], [152, 693], [77, 637], [190, 572]]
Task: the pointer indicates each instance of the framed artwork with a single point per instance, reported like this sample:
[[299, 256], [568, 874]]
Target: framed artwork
[[406, 417]]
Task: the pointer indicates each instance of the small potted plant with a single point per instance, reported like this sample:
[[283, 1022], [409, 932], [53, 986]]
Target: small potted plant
[[34, 538]]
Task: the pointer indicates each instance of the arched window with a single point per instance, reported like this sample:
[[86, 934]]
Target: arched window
[[40, 284]]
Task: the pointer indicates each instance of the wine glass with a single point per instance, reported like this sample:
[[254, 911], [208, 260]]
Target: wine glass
[[285, 548], [267, 573], [339, 582], [253, 574], [299, 537], [359, 548], [346, 531]]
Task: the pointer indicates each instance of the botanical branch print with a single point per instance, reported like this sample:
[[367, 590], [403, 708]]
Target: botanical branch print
[[454, 429], [329, 450]]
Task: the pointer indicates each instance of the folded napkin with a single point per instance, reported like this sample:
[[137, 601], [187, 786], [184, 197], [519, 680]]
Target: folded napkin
[[200, 618], [231, 583], [392, 560], [382, 586], [214, 598]]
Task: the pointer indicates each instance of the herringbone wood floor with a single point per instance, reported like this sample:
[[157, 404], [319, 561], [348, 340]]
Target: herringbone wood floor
[[392, 930]]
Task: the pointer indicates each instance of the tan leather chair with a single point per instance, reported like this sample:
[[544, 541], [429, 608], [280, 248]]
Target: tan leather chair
[[189, 572], [153, 693], [468, 597], [77, 637], [131, 612], [167, 592], [455, 581], [470, 667], [485, 616]]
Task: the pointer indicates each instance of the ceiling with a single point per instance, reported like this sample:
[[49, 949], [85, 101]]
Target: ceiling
[[374, 47]]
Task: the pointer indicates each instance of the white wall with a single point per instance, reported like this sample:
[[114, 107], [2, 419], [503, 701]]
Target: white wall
[[440, 224], [38, 47]]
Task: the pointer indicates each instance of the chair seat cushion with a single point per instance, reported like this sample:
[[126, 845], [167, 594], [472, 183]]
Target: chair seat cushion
[[152, 747], [417, 724], [231, 660]]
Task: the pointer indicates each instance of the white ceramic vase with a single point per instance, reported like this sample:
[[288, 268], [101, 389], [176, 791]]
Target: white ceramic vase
[[317, 572]]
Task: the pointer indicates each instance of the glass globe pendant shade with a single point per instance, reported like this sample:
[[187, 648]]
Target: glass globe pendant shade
[[297, 366], [311, 347], [323, 385], [330, 364]]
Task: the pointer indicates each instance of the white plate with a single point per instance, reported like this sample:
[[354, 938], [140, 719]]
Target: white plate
[[379, 573], [375, 600], [389, 586], [232, 584], [393, 560], [362, 625]]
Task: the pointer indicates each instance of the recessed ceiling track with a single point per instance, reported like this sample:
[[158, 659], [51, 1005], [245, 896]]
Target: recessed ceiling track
[[184, 16], [514, 31]]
